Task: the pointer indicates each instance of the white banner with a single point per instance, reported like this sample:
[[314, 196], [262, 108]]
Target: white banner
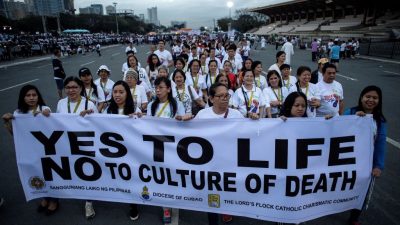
[[272, 170]]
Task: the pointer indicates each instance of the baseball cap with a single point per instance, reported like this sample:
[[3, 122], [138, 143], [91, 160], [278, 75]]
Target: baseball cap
[[84, 71], [323, 61]]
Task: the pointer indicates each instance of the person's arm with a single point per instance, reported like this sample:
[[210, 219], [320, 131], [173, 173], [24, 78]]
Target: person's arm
[[7, 122], [341, 107], [379, 150]]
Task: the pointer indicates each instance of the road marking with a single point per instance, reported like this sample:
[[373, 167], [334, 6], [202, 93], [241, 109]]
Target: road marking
[[44, 66], [393, 142], [24, 62], [116, 54], [88, 63], [348, 78], [19, 84], [391, 72]]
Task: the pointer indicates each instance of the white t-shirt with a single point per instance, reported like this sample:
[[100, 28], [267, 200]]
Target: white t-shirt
[[107, 88], [276, 68], [62, 106], [131, 49], [164, 56], [289, 83], [254, 97], [139, 95], [199, 80], [92, 97], [166, 112], [246, 50], [125, 67], [312, 92], [208, 113], [260, 82], [176, 49], [185, 97], [273, 95], [38, 109], [121, 111], [209, 80], [331, 94]]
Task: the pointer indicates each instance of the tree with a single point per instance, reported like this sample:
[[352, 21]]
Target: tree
[[223, 23], [202, 29]]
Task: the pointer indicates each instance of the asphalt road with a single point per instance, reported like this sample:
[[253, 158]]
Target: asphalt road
[[354, 75]]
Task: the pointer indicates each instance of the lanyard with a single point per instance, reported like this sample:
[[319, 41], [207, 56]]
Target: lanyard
[[35, 110], [211, 79], [195, 82], [88, 94], [251, 98], [133, 91], [103, 86], [306, 90], [181, 96], [162, 109], [76, 107], [279, 96], [258, 82], [288, 83]]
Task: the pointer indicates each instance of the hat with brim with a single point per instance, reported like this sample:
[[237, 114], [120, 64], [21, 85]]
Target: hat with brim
[[103, 67], [84, 71], [323, 61]]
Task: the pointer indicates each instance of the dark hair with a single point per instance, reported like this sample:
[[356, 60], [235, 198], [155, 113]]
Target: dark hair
[[214, 87], [244, 62], [184, 56], [127, 60], [289, 102], [278, 54], [232, 47], [301, 70], [92, 85], [179, 71], [153, 66], [73, 78], [56, 51], [191, 63], [171, 99], [212, 61], [22, 106], [255, 64], [377, 112], [328, 65], [180, 59], [222, 75], [272, 72], [130, 52], [129, 106], [284, 66], [161, 41]]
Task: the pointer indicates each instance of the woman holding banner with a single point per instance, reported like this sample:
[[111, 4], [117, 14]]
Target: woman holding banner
[[30, 101], [295, 105], [370, 102], [275, 93], [249, 99], [91, 92], [122, 103], [75, 103], [165, 106]]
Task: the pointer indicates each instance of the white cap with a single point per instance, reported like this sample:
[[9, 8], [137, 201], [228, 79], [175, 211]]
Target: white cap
[[103, 67]]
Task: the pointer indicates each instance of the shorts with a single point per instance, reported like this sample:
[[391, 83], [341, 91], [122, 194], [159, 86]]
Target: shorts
[[60, 84], [334, 60]]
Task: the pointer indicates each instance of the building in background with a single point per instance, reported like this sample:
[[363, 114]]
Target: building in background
[[110, 10], [45, 7], [69, 6], [141, 17], [152, 16], [96, 9], [3, 11], [15, 10]]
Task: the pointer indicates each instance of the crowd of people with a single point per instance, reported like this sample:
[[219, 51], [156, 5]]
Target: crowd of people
[[205, 79]]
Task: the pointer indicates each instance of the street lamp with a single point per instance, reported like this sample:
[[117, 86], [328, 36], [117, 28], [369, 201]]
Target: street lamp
[[116, 18], [230, 5]]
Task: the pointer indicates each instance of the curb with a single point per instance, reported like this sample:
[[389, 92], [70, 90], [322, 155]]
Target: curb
[[39, 59], [378, 59]]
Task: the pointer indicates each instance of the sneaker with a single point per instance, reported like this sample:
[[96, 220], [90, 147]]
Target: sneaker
[[226, 218], [134, 213], [167, 215], [89, 210], [1, 202]]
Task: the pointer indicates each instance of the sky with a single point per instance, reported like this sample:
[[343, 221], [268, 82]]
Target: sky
[[195, 12]]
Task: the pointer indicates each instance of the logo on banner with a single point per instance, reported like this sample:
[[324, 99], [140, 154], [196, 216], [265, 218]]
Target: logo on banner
[[37, 183], [214, 200], [145, 194]]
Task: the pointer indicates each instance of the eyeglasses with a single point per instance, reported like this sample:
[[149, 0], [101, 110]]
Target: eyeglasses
[[160, 87], [224, 96], [71, 87]]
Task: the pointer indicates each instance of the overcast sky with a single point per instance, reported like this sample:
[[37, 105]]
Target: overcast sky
[[196, 12]]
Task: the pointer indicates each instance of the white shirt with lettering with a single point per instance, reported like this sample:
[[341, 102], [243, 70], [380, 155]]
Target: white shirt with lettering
[[331, 94]]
